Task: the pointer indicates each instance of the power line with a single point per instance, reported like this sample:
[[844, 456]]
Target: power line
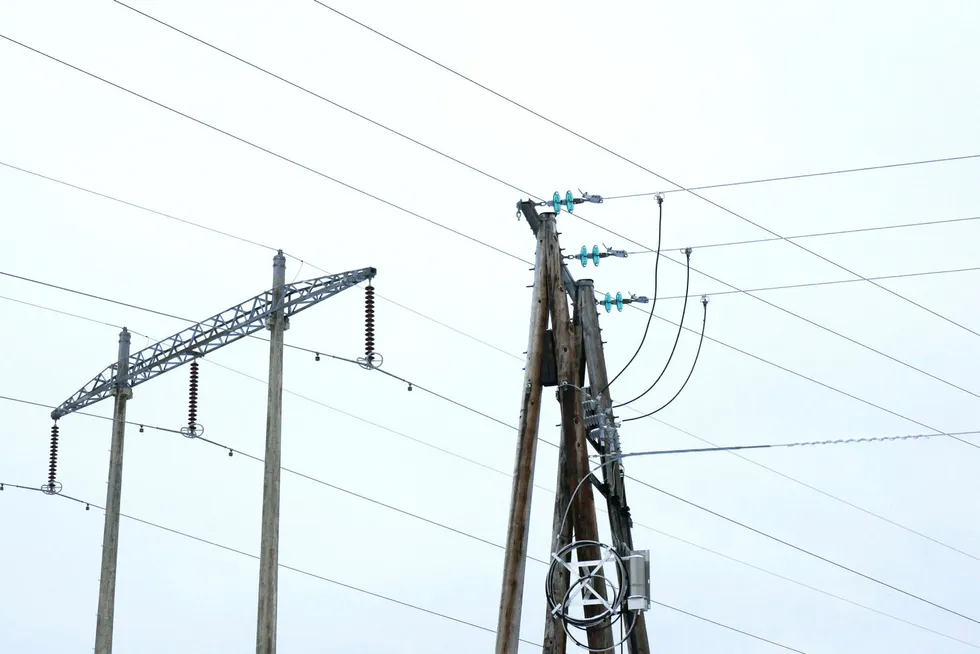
[[814, 323], [766, 180], [291, 568], [798, 316], [839, 232], [710, 338], [497, 179], [386, 202], [267, 151], [385, 597], [736, 349], [834, 282], [812, 380], [838, 441], [805, 551], [697, 355], [141, 425], [895, 588], [800, 375], [644, 168], [508, 475], [314, 94]]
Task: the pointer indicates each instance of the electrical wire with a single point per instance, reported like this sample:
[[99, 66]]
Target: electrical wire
[[291, 568], [182, 114], [677, 338], [833, 282], [493, 177], [763, 360], [697, 355], [268, 151], [766, 180], [90, 415], [839, 232], [314, 94], [838, 441], [388, 203], [804, 551], [854, 341], [656, 278], [268, 247], [639, 166], [545, 489], [809, 379], [371, 593]]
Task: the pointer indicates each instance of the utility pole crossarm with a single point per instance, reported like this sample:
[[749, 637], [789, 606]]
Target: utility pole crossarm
[[208, 335]]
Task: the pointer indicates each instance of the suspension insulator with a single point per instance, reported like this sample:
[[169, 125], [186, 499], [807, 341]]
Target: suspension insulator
[[53, 466], [192, 398], [369, 324]]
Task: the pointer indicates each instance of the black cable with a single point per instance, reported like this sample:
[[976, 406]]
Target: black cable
[[656, 278], [754, 356], [836, 281], [697, 355], [386, 202], [811, 379], [677, 338], [371, 593], [814, 323], [291, 568], [90, 415], [766, 180], [762, 446], [773, 470], [839, 232], [506, 474], [803, 551], [648, 170], [268, 151], [239, 238], [775, 306], [327, 100]]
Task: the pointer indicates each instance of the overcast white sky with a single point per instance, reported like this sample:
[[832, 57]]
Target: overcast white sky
[[700, 92]]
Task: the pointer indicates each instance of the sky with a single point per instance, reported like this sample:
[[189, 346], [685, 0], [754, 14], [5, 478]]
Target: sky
[[700, 93]]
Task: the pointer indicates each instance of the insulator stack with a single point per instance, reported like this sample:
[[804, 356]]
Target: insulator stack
[[192, 398], [369, 324], [53, 466]]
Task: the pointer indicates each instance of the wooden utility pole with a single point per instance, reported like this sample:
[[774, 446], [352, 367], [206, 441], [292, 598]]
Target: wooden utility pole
[[576, 347], [515, 555], [573, 429], [265, 637], [620, 523], [110, 537]]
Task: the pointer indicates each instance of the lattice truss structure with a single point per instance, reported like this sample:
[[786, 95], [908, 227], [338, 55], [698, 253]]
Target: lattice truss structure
[[219, 330]]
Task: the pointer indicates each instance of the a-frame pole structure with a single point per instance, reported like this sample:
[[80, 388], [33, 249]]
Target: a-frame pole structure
[[577, 348]]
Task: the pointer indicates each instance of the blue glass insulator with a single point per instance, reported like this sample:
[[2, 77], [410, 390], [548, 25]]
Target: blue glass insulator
[[595, 255], [619, 301], [569, 201], [584, 256], [556, 200], [608, 303]]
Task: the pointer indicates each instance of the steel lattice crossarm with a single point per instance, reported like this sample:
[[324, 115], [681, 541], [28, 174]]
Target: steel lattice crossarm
[[208, 335]]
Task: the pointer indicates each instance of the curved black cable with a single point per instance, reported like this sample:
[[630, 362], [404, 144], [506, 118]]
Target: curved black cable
[[677, 339], [656, 277], [704, 322]]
